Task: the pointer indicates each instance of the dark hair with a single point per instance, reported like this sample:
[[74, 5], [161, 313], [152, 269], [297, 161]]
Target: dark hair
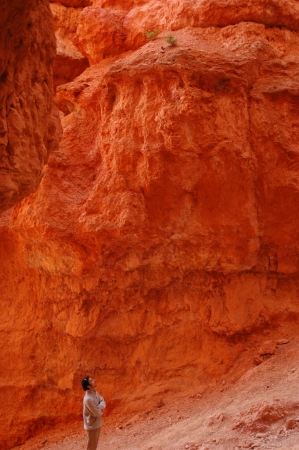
[[85, 383]]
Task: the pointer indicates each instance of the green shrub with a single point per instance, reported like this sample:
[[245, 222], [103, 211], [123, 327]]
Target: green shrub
[[171, 40], [151, 35]]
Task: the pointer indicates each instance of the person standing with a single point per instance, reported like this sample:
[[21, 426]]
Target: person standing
[[93, 406]]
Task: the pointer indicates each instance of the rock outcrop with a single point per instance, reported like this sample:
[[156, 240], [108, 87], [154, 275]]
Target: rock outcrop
[[29, 123], [165, 228], [69, 61]]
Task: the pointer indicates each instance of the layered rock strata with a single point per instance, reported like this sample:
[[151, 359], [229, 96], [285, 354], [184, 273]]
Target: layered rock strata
[[165, 229], [29, 121]]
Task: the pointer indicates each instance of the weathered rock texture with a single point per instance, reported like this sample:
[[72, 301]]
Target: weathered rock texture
[[29, 121], [100, 33], [165, 229], [69, 61], [74, 3]]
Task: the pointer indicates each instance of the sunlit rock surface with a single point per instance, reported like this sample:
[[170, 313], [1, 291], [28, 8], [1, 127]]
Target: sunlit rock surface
[[165, 229], [29, 121], [100, 33], [69, 62]]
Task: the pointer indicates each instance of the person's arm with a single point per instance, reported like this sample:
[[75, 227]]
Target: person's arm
[[93, 408], [102, 403]]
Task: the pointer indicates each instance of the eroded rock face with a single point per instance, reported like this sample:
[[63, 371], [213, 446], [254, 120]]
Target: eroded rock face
[[73, 3], [165, 229], [29, 122], [100, 33], [69, 62], [125, 5], [178, 14]]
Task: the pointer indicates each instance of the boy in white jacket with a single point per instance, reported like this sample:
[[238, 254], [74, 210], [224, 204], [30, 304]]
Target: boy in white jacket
[[93, 406]]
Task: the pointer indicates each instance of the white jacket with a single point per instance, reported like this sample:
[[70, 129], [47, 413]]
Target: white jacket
[[93, 406]]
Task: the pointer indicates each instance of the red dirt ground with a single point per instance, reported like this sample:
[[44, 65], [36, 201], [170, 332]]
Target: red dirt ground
[[256, 406]]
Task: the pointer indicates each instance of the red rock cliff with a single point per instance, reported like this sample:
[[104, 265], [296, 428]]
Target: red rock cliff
[[29, 122], [165, 229]]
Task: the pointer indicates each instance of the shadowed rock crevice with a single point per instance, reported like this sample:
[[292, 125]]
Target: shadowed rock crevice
[[29, 123]]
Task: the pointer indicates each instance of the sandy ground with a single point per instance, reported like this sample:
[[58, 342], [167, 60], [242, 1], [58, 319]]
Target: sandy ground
[[258, 408]]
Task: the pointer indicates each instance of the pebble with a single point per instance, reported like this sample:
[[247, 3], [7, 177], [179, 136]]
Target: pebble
[[267, 348], [282, 341], [259, 435], [290, 424]]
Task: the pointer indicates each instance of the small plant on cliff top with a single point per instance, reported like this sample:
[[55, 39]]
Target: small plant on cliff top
[[171, 40], [151, 35]]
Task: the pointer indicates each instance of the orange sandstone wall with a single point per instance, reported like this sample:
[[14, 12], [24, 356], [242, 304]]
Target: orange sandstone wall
[[165, 229], [29, 121], [69, 62]]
